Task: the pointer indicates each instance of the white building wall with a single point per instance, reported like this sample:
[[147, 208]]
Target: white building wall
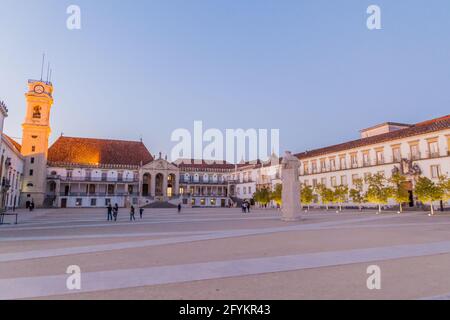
[[14, 173]]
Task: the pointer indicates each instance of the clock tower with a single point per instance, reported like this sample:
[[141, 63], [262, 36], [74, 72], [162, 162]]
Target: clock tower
[[35, 135]]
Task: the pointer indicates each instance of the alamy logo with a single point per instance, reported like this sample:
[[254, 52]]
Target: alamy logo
[[73, 282], [74, 20], [374, 20], [374, 280], [234, 146]]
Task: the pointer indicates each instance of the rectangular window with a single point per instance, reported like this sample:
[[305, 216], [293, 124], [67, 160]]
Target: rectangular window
[[79, 202], [107, 202], [435, 171], [324, 181], [305, 168], [366, 159], [202, 202], [213, 202], [433, 149], [333, 181], [332, 164], [380, 157], [314, 183], [33, 148], [415, 154], [354, 160], [93, 202], [193, 201], [314, 167], [396, 154], [342, 165], [31, 173], [323, 165], [32, 160], [344, 180], [110, 189]]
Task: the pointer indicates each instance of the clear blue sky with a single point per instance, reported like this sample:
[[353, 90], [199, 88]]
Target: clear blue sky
[[310, 68]]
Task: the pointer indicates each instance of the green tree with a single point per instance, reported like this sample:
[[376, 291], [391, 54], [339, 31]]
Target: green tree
[[306, 195], [427, 191], [340, 195], [399, 192], [257, 196], [326, 195], [357, 193], [262, 196], [444, 184], [276, 194], [378, 191]]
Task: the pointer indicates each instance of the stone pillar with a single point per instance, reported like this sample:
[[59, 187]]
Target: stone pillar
[[152, 185], [164, 186], [176, 185], [291, 207]]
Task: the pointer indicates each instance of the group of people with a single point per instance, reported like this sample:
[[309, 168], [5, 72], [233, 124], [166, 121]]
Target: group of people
[[245, 207], [113, 212]]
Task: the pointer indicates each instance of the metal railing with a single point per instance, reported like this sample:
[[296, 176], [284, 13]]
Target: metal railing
[[92, 179]]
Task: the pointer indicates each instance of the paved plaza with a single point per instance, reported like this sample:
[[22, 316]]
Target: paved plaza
[[225, 254]]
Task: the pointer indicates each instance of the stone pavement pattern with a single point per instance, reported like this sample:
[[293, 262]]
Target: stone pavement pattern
[[224, 254]]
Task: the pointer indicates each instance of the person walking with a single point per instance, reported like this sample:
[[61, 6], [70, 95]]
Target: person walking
[[110, 210], [179, 207], [116, 211], [132, 218], [141, 212], [248, 207]]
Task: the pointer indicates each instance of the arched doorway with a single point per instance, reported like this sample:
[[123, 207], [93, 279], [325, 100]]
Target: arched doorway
[[51, 188], [159, 185], [146, 180], [171, 183]]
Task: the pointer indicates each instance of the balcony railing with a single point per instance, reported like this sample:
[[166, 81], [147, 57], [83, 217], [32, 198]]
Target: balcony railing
[[202, 181], [414, 156], [93, 179], [97, 194]]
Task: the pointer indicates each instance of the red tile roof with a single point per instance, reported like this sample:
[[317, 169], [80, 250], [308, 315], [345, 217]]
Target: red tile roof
[[433, 125], [87, 151], [13, 142]]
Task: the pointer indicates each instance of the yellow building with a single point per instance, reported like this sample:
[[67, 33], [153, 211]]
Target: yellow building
[[35, 135]]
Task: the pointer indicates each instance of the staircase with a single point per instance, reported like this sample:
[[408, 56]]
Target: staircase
[[49, 202]]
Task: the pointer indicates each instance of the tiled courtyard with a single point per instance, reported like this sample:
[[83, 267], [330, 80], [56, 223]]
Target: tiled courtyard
[[225, 254]]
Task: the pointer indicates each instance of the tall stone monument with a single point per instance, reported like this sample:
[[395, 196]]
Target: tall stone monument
[[291, 207]]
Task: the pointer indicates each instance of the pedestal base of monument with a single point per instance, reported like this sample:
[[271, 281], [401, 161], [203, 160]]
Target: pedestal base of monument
[[291, 217]]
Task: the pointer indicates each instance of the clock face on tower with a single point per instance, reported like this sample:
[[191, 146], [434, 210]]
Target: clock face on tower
[[39, 89]]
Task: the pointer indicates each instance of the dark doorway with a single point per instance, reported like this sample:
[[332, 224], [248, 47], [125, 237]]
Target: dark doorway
[[63, 203], [411, 199]]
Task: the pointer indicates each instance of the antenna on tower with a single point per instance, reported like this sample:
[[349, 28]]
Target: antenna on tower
[[42, 67], [48, 70], [50, 78]]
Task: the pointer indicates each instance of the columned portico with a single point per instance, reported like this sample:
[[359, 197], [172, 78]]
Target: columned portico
[[161, 177]]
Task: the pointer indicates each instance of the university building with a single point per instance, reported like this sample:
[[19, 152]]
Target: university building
[[86, 172], [412, 149]]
